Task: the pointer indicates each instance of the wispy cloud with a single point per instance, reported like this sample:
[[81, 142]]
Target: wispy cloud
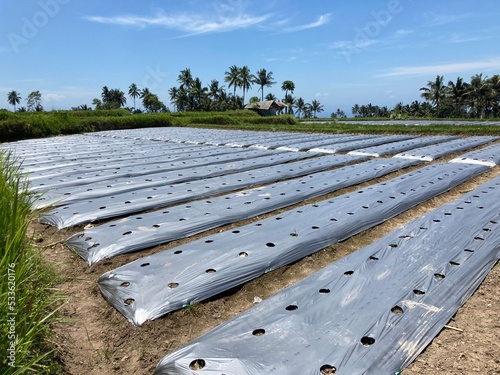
[[190, 24], [432, 19], [322, 20], [425, 70], [402, 32]]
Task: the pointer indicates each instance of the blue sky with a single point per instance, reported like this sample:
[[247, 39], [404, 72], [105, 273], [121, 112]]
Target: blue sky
[[340, 53]]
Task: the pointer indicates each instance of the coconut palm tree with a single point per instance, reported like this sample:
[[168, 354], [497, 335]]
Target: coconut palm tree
[[495, 85], [232, 77], [355, 110], [185, 78], [245, 80], [290, 102], [316, 107], [435, 92], [271, 96], [134, 92], [14, 98], [288, 86], [479, 94], [173, 92], [456, 92], [196, 93], [300, 105], [116, 98], [263, 79]]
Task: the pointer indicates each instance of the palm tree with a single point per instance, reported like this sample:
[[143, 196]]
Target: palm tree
[[271, 96], [185, 78], [300, 105], [435, 92], [355, 110], [173, 92], [134, 92], [182, 100], [316, 107], [145, 92], [197, 93], [264, 79], [245, 80], [213, 94], [288, 86], [456, 92], [495, 85], [14, 98], [232, 77], [116, 98], [289, 101], [479, 94]]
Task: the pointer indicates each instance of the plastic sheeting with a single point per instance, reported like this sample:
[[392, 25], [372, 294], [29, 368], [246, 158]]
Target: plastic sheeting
[[324, 141], [395, 147], [42, 183], [119, 159], [155, 285], [145, 199], [371, 312], [237, 138], [489, 156], [278, 142], [430, 153], [348, 146], [154, 228], [120, 185]]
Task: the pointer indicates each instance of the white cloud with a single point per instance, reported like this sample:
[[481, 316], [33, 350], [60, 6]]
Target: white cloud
[[432, 19], [402, 32], [52, 97], [322, 20], [189, 23], [425, 70], [321, 95]]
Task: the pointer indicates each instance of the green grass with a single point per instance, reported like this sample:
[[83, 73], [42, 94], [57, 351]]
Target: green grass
[[27, 303], [18, 126], [342, 128]]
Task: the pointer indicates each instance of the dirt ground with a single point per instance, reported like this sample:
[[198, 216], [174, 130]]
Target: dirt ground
[[95, 339]]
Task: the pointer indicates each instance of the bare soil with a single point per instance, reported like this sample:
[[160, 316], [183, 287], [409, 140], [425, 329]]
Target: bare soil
[[95, 339]]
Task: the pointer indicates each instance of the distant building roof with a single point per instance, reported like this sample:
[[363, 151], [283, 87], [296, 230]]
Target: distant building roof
[[266, 105]]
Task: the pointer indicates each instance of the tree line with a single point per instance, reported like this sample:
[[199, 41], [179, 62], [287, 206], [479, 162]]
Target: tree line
[[478, 98], [192, 95]]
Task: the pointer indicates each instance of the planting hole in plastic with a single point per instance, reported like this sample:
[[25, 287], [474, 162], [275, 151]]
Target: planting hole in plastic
[[197, 364], [259, 332], [327, 370], [367, 341], [397, 310]]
